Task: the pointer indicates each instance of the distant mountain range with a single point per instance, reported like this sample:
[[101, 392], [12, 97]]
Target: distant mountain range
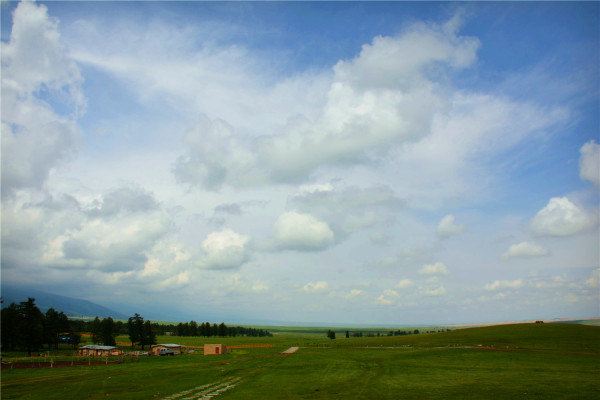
[[71, 306]]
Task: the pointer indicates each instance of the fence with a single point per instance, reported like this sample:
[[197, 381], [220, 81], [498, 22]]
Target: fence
[[249, 346]]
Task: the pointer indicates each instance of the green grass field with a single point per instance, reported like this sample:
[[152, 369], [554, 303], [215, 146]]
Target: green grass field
[[508, 361]]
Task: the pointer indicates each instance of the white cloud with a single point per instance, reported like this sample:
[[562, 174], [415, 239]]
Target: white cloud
[[390, 293], [554, 282], [435, 291], [560, 217], [451, 165], [166, 257], [437, 268], [447, 227], [126, 199], [238, 284], [316, 188], [395, 96], [39, 229], [572, 298], [225, 249], [593, 279], [589, 162], [174, 282], [35, 37], [35, 138], [315, 287], [404, 283], [525, 249], [119, 244], [383, 300], [354, 293], [302, 232], [349, 209], [497, 285], [379, 99]]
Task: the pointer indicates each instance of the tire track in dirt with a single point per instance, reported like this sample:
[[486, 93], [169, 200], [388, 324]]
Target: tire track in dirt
[[206, 391], [215, 391]]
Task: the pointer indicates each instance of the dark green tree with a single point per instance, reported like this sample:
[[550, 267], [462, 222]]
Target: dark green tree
[[30, 326], [95, 330], [148, 335], [193, 328], [135, 329], [107, 332], [55, 323], [331, 334], [347, 334], [10, 327], [222, 331]]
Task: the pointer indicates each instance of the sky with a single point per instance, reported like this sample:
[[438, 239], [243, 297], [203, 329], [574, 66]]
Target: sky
[[327, 163]]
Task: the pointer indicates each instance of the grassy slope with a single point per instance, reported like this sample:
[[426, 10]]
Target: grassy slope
[[533, 361]]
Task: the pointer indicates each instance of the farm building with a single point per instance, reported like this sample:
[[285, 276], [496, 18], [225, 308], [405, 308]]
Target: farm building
[[99, 351], [175, 348], [212, 349]]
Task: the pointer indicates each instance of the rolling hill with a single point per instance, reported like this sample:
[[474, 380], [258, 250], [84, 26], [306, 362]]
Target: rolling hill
[[73, 307]]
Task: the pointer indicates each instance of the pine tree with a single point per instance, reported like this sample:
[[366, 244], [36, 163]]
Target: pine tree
[[107, 332], [30, 326], [148, 335], [95, 330], [10, 327], [135, 328]]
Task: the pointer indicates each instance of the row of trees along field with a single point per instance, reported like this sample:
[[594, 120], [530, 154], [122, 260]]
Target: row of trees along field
[[205, 329], [26, 328]]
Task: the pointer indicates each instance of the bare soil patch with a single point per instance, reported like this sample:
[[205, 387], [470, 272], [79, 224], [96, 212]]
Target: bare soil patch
[[291, 350]]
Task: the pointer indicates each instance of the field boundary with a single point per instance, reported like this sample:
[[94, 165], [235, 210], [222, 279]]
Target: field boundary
[[55, 364], [250, 346]]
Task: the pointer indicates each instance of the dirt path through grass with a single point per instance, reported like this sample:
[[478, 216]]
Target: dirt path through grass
[[205, 392], [291, 350]]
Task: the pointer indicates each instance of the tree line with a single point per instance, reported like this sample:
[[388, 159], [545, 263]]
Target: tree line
[[205, 329], [26, 328]]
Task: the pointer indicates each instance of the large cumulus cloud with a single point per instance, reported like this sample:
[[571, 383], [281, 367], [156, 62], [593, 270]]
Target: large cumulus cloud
[[381, 98], [60, 231], [560, 217], [36, 138], [302, 232]]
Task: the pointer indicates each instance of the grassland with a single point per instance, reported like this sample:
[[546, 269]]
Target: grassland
[[509, 361]]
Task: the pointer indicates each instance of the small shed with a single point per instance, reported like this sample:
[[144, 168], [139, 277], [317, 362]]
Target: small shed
[[214, 349], [156, 348], [95, 350]]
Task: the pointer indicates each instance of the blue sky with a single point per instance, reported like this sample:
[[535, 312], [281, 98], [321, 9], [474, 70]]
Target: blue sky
[[379, 163]]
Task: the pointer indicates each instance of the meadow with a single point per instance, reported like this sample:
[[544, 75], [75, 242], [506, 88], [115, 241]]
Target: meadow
[[536, 361]]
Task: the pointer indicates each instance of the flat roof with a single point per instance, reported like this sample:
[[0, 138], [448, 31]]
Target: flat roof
[[97, 347], [168, 345]]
